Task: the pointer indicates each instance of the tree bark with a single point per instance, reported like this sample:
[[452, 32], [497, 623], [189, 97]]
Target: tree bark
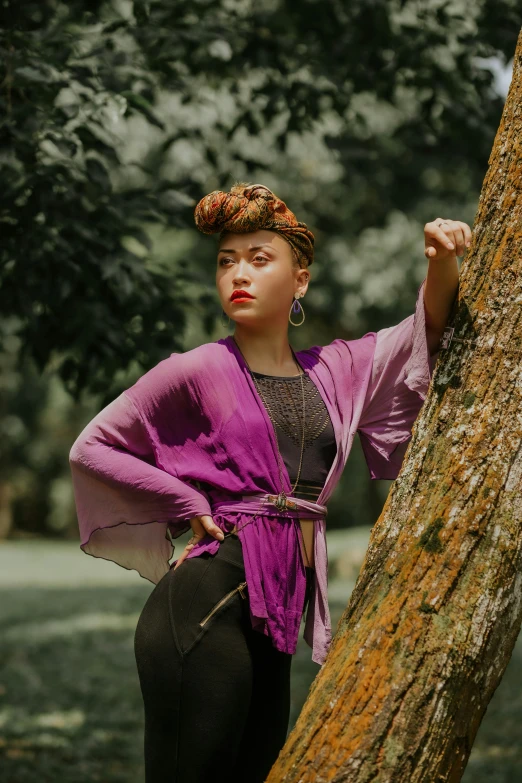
[[437, 607]]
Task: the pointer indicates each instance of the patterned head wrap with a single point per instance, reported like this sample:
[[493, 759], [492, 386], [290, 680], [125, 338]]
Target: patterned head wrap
[[249, 208]]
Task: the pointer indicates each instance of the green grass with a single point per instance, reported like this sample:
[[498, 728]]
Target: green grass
[[70, 702]]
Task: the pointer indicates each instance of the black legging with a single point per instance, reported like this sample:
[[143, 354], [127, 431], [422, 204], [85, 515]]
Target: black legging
[[217, 695]]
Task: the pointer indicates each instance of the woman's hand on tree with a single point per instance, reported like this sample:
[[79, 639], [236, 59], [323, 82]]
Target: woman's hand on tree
[[201, 526], [446, 238]]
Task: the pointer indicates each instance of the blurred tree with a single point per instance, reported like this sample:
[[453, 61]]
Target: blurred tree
[[117, 116], [77, 267]]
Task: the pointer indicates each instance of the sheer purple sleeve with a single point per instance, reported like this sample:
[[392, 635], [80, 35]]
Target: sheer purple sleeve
[[401, 373], [126, 503]]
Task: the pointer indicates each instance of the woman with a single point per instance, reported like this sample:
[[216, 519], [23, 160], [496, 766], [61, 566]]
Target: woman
[[244, 440]]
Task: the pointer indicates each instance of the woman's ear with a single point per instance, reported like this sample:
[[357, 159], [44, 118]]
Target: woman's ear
[[303, 278]]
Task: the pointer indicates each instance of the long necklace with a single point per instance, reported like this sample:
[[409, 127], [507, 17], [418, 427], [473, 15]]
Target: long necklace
[[280, 500]]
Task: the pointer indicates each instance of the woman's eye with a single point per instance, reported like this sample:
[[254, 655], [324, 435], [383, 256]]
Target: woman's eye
[[223, 261]]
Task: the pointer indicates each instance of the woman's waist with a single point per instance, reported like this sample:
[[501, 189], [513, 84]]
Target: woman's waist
[[270, 504]]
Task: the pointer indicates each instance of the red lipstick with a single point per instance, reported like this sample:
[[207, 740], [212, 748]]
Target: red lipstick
[[241, 296]]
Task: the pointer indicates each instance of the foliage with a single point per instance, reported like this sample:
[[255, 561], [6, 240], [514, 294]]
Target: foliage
[[74, 73], [117, 116]]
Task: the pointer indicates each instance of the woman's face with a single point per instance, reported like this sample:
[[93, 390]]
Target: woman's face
[[261, 263]]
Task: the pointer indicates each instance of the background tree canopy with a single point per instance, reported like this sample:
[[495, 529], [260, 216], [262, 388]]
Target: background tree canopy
[[368, 118]]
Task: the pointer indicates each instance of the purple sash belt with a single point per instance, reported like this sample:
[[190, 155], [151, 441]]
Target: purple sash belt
[[317, 631], [267, 504]]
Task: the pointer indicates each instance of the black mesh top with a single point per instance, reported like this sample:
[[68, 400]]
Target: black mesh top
[[284, 397]]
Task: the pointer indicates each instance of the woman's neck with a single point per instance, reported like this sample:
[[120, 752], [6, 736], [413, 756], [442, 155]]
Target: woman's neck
[[266, 353]]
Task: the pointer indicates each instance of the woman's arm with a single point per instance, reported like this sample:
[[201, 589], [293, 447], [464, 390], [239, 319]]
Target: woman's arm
[[114, 454], [405, 354], [444, 241], [124, 464], [401, 371]]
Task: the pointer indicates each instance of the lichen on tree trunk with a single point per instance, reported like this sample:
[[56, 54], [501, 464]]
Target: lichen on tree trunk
[[437, 608]]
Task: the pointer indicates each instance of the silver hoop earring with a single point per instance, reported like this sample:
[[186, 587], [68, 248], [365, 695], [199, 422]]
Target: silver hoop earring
[[223, 324], [296, 306]]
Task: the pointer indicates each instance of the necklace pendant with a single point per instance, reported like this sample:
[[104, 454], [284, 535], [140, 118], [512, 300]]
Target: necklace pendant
[[281, 501]]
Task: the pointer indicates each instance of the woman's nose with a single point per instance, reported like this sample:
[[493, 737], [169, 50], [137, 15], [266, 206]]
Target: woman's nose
[[241, 272]]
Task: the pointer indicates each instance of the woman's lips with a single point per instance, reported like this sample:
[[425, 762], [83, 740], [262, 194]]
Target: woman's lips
[[241, 298]]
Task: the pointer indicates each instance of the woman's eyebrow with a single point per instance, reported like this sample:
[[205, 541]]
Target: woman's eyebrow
[[231, 250]]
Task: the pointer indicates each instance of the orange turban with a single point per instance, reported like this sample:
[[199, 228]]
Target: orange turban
[[249, 208]]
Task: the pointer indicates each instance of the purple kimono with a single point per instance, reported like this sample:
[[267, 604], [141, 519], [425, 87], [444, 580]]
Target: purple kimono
[[197, 417]]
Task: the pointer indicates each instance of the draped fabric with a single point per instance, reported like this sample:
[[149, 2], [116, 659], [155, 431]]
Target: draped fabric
[[196, 420]]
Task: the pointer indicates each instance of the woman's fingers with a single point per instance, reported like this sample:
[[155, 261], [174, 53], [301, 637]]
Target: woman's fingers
[[182, 557], [441, 236], [186, 551], [459, 240], [201, 526], [435, 233], [466, 234], [456, 230], [198, 532], [211, 527]]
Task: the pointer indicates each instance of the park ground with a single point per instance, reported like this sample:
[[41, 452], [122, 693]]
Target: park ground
[[70, 702]]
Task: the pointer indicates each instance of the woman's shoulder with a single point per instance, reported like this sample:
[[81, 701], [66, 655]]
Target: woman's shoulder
[[178, 373], [199, 358], [341, 352]]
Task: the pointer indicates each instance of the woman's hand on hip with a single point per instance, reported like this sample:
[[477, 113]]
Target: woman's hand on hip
[[201, 526]]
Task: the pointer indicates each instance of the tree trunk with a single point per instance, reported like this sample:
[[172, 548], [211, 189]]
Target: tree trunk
[[437, 608]]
